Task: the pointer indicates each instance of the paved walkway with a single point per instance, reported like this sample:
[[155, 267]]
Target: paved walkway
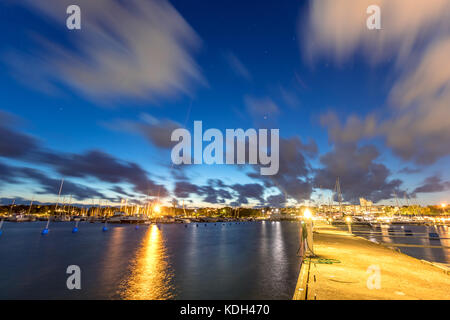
[[346, 266]]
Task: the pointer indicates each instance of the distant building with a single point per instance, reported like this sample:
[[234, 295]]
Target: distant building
[[365, 203]]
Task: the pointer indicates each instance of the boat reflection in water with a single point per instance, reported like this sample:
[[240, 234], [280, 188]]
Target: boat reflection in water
[[150, 274]]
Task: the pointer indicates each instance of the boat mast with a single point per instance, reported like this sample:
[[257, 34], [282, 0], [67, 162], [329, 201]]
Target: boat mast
[[12, 205], [31, 203], [337, 189], [184, 210]]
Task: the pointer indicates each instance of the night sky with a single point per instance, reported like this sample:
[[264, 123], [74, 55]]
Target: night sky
[[97, 106]]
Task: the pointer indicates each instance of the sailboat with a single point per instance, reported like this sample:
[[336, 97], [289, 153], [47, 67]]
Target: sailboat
[[46, 230], [16, 217]]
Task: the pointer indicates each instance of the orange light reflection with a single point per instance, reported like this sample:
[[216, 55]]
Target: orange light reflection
[[151, 277]]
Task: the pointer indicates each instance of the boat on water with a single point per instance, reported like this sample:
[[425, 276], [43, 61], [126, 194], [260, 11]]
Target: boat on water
[[117, 217], [135, 218], [62, 218], [93, 219], [19, 218], [78, 218], [165, 219]]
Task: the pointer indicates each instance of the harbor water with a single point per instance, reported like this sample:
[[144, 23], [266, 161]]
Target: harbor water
[[246, 260]]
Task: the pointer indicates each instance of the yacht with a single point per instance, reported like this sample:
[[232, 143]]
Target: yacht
[[135, 218], [117, 217], [63, 218], [18, 218]]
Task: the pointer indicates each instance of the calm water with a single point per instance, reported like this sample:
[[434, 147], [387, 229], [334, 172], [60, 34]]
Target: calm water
[[418, 235], [252, 260]]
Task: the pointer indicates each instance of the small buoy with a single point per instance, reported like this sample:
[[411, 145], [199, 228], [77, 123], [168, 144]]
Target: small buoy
[[104, 229], [185, 225], [45, 231], [205, 225], [75, 230], [196, 225], [137, 227], [1, 232]]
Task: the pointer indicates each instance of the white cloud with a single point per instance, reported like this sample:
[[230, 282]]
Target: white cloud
[[138, 49], [417, 35], [338, 27]]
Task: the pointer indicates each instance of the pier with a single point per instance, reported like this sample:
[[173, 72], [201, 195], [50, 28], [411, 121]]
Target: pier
[[349, 267]]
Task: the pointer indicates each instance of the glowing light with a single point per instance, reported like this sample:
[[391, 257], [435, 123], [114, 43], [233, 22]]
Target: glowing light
[[443, 205], [348, 219], [157, 208], [307, 214], [151, 276]]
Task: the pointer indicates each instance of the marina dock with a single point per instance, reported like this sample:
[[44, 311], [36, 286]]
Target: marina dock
[[349, 267]]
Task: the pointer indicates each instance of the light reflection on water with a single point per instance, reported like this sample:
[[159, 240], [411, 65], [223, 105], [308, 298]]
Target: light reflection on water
[[151, 275], [212, 261]]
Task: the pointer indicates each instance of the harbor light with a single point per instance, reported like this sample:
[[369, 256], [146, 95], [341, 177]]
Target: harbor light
[[307, 214], [443, 205], [348, 219], [157, 208]]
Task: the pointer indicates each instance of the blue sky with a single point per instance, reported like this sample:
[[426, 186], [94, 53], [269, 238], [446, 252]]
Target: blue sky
[[137, 67]]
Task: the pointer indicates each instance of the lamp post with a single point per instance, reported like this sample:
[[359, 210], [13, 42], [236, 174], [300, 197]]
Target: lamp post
[[348, 219], [307, 215]]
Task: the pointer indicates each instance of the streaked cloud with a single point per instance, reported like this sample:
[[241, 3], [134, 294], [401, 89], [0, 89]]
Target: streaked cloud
[[157, 131], [237, 66], [142, 50], [433, 184], [416, 123], [91, 164], [337, 28], [359, 172]]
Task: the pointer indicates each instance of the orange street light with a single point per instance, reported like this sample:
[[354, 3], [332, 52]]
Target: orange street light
[[307, 214], [348, 219]]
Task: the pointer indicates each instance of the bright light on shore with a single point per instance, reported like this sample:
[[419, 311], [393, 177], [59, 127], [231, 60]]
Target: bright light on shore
[[157, 208], [307, 214], [443, 205], [348, 219]]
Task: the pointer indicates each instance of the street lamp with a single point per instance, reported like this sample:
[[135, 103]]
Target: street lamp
[[348, 219], [307, 215]]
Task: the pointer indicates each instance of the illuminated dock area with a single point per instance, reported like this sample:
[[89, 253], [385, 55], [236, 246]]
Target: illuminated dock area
[[348, 267]]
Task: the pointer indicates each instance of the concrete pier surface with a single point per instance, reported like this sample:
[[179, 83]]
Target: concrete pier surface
[[348, 267]]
